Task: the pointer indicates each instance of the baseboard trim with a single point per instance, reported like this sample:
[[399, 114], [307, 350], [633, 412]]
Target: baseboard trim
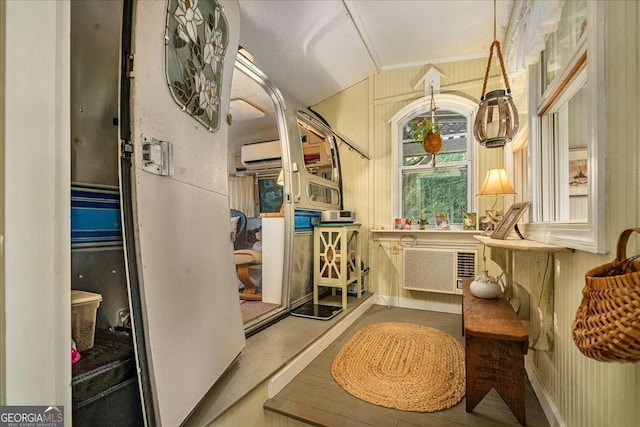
[[442, 307], [285, 375], [549, 408]]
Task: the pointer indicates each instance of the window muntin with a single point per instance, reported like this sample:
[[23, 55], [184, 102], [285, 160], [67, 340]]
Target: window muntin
[[426, 189], [565, 133]]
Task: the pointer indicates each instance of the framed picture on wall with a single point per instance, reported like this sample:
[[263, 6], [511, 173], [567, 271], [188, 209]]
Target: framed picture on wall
[[509, 220], [578, 172]]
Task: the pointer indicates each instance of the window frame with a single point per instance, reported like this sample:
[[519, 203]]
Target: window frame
[[306, 180], [589, 235], [444, 101]]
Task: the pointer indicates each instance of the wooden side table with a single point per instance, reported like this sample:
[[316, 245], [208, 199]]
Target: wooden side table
[[337, 258]]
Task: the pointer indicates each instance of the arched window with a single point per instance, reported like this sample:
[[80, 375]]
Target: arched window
[[421, 189]]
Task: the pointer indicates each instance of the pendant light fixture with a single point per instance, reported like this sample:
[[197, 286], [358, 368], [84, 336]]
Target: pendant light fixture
[[497, 118]]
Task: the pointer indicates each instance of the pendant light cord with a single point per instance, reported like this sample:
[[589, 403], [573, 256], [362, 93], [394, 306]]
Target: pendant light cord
[[432, 108], [494, 20], [495, 43]]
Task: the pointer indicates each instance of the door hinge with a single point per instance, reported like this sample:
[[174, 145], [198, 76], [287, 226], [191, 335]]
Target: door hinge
[[129, 65], [126, 148]]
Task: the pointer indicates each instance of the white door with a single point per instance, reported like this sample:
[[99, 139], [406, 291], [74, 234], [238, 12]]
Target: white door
[[182, 282]]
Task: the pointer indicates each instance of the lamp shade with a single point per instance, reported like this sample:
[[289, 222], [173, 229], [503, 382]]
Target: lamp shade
[[496, 183], [280, 179]]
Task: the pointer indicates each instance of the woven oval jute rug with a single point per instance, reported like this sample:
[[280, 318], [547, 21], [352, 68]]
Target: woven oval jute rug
[[402, 366]]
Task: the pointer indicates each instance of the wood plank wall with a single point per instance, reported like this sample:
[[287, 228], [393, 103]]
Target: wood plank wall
[[361, 113], [586, 392]]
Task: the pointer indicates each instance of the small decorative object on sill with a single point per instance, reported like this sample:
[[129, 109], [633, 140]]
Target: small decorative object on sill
[[470, 221], [607, 324], [442, 220], [485, 286], [509, 221], [497, 118], [402, 224], [428, 130]]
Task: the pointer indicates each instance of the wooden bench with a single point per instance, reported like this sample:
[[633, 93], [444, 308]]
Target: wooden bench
[[495, 344]]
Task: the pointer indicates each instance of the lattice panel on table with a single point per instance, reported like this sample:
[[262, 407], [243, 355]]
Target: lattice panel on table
[[330, 254]]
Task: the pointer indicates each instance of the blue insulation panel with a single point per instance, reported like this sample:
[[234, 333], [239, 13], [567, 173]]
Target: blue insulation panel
[[304, 220], [95, 217]]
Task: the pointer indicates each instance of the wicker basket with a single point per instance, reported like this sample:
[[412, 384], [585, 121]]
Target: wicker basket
[[607, 324]]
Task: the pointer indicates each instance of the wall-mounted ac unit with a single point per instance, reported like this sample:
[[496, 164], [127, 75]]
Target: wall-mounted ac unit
[[438, 269], [237, 162], [261, 155]]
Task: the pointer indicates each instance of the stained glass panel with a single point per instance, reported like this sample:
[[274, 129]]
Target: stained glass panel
[[196, 40]]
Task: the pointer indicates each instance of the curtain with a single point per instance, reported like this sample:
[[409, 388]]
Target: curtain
[[534, 21], [241, 194]]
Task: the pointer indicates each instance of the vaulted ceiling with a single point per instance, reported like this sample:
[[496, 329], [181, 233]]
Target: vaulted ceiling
[[313, 49]]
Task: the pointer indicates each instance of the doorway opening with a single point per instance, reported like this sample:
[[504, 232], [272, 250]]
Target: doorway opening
[[256, 194], [104, 376]]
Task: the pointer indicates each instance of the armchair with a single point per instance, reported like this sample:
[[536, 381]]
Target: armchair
[[244, 257]]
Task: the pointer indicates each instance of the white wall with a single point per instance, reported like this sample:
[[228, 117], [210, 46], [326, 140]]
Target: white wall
[[37, 224]]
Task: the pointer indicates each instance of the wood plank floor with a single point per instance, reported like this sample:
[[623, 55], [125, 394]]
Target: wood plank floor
[[315, 398]]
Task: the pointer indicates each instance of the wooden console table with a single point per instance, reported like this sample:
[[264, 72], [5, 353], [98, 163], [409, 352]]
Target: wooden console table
[[495, 344]]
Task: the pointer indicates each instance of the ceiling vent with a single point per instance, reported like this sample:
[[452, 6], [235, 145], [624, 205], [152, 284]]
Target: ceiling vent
[[242, 111]]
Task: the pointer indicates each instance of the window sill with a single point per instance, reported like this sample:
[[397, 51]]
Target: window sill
[[427, 237], [427, 231], [521, 245]]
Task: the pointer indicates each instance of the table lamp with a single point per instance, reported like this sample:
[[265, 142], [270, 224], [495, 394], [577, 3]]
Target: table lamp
[[496, 184]]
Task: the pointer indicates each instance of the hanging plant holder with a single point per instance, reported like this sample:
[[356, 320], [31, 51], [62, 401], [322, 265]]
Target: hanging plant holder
[[497, 118], [432, 142]]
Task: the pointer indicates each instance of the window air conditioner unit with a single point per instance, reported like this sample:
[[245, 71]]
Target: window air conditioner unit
[[438, 269], [261, 155]]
